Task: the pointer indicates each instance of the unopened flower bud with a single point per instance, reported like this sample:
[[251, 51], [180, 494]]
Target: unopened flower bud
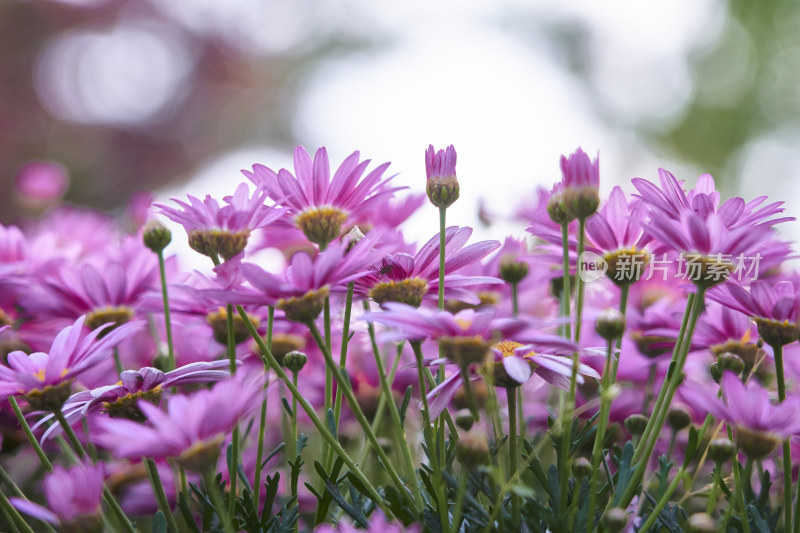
[[610, 324], [472, 449], [678, 418], [581, 467], [635, 424], [701, 523], [721, 450], [555, 208], [615, 519], [513, 271], [283, 343], [156, 236], [731, 362], [295, 361], [464, 419], [442, 185], [716, 372]]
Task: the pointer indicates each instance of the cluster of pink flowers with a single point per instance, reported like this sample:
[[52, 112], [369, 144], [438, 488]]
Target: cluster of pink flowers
[[98, 353]]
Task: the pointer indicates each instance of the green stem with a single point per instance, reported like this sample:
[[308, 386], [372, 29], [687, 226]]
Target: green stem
[[233, 465], [786, 448], [345, 341], [213, 491], [579, 281], [565, 292], [161, 496], [163, 272], [462, 488], [597, 449], [71, 436], [442, 223], [651, 520], [623, 308], [293, 435], [359, 414], [395, 414], [28, 433], [664, 386], [117, 361], [513, 452], [468, 391], [377, 420], [263, 418], [309, 409], [669, 387], [712, 498], [14, 514]]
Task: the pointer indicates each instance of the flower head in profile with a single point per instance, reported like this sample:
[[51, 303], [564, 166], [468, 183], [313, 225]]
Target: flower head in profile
[[318, 204], [74, 496], [580, 183], [758, 423], [222, 230], [442, 184], [192, 429], [774, 307], [45, 378], [121, 399], [402, 278]]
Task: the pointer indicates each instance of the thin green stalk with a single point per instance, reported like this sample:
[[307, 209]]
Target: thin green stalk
[[395, 414], [786, 447], [597, 449], [462, 488], [623, 308], [263, 418], [442, 223], [165, 297], [28, 433], [712, 498], [565, 292], [293, 436], [651, 520], [10, 521], [233, 465], [670, 386], [377, 420], [675, 355], [309, 409], [117, 361], [14, 514], [161, 496], [469, 392], [213, 491], [71, 436], [348, 305], [359, 414], [513, 451], [579, 281]]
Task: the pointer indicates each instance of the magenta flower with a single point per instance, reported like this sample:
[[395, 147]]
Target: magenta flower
[[441, 163], [120, 400], [580, 171], [406, 279], [317, 204], [42, 376], [759, 424], [193, 427], [775, 307], [74, 497], [223, 230]]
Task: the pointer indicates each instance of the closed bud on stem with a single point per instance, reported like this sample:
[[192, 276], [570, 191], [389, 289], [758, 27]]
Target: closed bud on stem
[[472, 449], [442, 185], [610, 324], [635, 424], [678, 418], [731, 362], [721, 450], [156, 236], [555, 209], [581, 468], [464, 419], [615, 519], [295, 361], [513, 271]]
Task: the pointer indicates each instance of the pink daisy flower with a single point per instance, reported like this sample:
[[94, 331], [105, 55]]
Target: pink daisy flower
[[316, 203], [216, 230]]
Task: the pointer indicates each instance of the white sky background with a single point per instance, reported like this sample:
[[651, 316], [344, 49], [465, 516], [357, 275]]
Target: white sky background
[[459, 72]]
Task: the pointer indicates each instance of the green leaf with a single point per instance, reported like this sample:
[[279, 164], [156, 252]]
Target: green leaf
[[331, 420], [159, 523], [404, 405]]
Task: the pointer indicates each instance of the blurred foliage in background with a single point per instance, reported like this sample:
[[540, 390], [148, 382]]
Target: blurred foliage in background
[[132, 94]]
